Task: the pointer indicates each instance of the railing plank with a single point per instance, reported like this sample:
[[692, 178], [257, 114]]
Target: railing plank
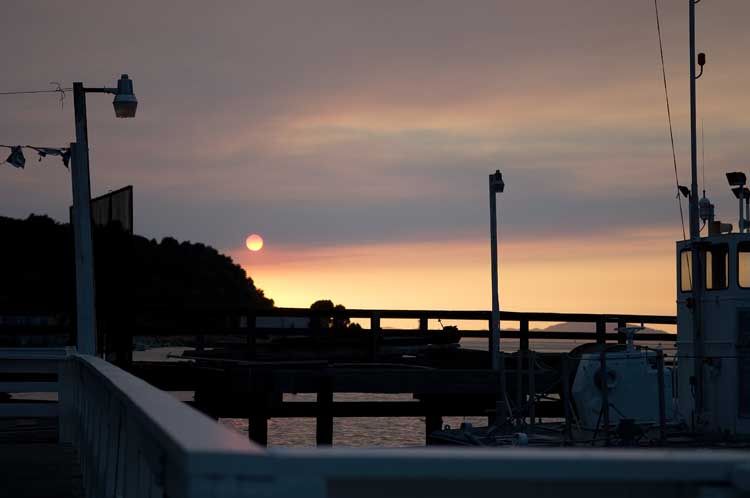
[[28, 387], [31, 410]]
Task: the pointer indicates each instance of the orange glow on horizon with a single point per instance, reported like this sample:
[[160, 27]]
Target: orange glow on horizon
[[593, 275]]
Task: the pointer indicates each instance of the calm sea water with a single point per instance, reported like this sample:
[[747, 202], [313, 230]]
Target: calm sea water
[[356, 432]]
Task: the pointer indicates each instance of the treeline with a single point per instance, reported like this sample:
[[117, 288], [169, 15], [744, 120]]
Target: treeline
[[132, 272]]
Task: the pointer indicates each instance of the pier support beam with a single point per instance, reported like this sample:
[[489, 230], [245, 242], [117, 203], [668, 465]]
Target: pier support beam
[[257, 424], [524, 335], [432, 423], [601, 331], [257, 429], [324, 420]]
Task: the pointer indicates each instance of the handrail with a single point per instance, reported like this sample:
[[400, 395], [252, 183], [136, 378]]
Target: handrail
[[134, 437]]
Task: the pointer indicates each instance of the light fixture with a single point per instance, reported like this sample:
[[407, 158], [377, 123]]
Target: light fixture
[[684, 190], [125, 103], [736, 178], [496, 182], [16, 157]]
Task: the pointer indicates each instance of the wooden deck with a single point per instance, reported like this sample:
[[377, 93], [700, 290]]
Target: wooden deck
[[33, 464]]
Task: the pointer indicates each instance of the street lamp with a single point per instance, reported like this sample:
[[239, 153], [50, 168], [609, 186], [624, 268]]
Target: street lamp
[[496, 185], [125, 105]]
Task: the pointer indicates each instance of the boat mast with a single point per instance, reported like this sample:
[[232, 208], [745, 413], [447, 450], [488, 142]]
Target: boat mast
[[695, 231]]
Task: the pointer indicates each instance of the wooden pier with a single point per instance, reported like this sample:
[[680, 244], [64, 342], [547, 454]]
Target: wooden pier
[[241, 370]]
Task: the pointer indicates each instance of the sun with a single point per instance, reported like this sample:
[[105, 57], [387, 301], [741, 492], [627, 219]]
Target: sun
[[254, 242]]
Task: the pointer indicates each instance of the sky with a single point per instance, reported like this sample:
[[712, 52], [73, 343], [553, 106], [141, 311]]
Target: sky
[[357, 139]]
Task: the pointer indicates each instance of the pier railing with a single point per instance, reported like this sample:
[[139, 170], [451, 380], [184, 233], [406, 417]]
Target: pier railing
[[244, 321]]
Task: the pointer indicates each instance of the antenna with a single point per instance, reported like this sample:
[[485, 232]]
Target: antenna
[[703, 158]]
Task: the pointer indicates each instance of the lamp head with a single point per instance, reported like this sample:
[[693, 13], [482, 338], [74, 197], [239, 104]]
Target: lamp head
[[496, 182], [736, 178], [125, 102]]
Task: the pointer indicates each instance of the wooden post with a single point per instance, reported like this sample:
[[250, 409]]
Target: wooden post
[[257, 429], [601, 331], [374, 328], [257, 424], [621, 338], [524, 333], [605, 394], [532, 388], [423, 324], [565, 378], [324, 420], [432, 423], [519, 384], [251, 337]]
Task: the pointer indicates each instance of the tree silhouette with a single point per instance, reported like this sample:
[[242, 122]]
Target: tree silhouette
[[332, 321], [132, 272]]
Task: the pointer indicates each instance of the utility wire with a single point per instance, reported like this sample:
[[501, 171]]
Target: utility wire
[[59, 89], [669, 118], [36, 91]]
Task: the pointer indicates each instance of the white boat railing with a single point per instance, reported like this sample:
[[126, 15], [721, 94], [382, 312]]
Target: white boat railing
[[137, 441]]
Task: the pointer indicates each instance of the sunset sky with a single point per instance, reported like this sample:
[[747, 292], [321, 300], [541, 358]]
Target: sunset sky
[[356, 138]]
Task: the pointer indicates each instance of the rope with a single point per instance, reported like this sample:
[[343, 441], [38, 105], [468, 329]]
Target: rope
[[669, 118]]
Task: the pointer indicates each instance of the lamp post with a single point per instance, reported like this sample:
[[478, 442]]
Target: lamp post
[[125, 105], [496, 185]]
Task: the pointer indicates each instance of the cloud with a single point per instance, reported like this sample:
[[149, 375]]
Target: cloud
[[337, 123]]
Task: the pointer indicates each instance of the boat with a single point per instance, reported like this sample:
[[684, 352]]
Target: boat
[[627, 395]]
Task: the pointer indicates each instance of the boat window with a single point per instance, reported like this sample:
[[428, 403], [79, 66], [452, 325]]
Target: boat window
[[686, 277], [743, 264], [717, 267]]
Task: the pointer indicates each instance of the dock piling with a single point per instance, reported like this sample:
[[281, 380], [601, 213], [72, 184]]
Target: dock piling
[[324, 420], [532, 388], [432, 423]]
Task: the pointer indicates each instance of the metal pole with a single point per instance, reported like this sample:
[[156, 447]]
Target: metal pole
[[695, 229], [605, 394], [84, 248], [662, 401], [740, 226], [495, 323]]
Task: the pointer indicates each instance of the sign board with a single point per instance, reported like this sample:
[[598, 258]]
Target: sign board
[[113, 207]]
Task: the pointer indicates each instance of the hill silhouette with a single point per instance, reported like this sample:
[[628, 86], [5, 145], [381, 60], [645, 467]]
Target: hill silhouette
[[132, 272], [590, 327]]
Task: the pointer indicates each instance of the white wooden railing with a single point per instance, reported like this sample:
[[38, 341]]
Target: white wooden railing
[[135, 440]]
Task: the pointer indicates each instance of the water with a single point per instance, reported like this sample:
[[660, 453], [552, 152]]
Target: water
[[388, 432]]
